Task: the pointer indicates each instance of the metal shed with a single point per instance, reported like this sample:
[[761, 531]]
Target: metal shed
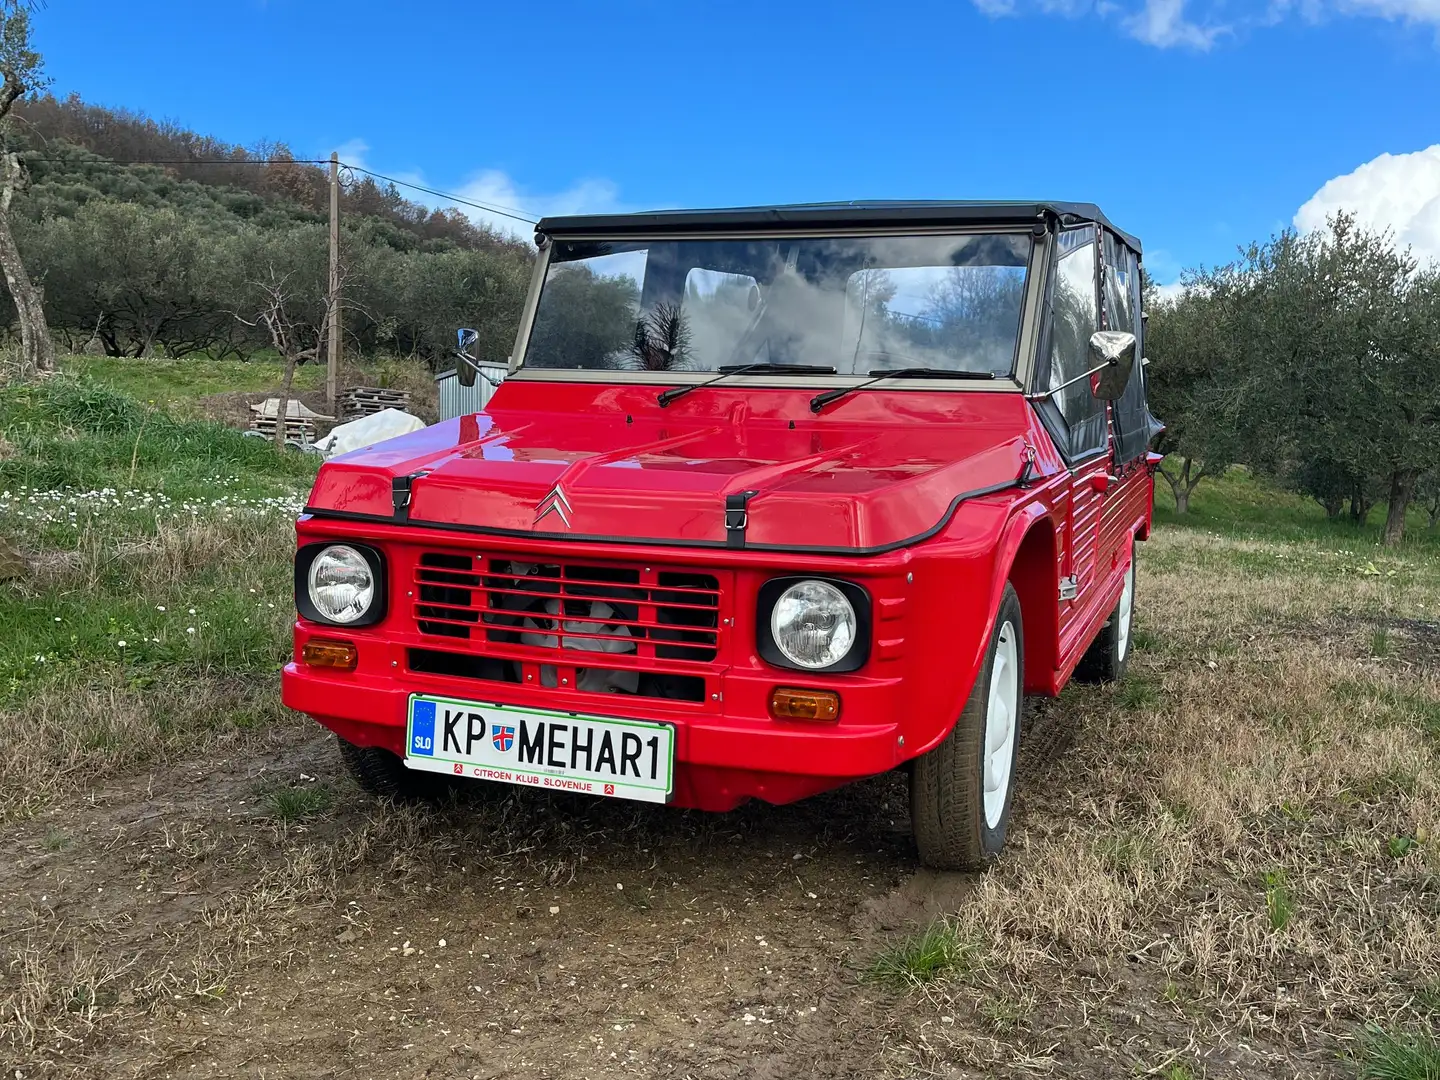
[[458, 400]]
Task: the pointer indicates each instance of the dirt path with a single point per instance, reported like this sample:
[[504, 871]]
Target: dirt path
[[514, 934]]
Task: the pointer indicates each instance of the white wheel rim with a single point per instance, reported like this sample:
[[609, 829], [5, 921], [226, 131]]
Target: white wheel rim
[[1127, 607], [1001, 714]]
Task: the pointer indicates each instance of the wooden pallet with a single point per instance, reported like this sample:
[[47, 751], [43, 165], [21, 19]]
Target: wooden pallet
[[358, 401], [297, 429]]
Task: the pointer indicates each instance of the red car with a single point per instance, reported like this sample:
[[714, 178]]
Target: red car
[[773, 499]]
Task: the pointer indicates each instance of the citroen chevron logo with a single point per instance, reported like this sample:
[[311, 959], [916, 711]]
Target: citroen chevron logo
[[554, 503]]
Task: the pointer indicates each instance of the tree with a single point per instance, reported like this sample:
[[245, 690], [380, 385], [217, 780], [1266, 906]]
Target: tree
[[1407, 416], [21, 70], [1333, 374], [1427, 494], [1188, 344], [661, 341], [137, 276], [287, 289]]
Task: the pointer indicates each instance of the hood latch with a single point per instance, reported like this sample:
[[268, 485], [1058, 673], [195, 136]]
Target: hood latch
[[737, 518], [400, 492]]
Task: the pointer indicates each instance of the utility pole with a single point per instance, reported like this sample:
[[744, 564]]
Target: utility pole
[[332, 373]]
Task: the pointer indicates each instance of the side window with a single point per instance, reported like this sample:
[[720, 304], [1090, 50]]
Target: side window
[[1119, 277], [1076, 317]]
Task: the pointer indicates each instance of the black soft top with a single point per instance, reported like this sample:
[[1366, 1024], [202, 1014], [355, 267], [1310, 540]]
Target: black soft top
[[928, 212]]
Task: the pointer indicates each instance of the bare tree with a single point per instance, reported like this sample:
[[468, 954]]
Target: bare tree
[[289, 318], [21, 70]]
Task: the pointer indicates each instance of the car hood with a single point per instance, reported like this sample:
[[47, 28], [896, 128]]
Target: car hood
[[583, 460]]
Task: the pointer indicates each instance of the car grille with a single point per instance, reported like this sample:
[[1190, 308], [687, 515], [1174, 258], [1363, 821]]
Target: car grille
[[558, 612]]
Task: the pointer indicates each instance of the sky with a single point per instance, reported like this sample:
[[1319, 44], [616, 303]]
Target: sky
[[1197, 125]]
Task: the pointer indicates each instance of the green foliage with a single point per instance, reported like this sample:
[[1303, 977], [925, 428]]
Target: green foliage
[[138, 260], [1396, 1055], [1399, 846], [68, 433], [175, 385], [1279, 901], [935, 952], [298, 803], [1312, 358]]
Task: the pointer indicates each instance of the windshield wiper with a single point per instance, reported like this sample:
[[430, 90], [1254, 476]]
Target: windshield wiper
[[666, 396], [819, 401]]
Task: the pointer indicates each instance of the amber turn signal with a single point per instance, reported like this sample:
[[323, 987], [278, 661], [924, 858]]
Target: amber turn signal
[[322, 652], [788, 704]]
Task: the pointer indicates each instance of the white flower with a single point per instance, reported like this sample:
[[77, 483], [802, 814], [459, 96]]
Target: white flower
[[192, 611], [121, 643], [190, 629], [159, 607]]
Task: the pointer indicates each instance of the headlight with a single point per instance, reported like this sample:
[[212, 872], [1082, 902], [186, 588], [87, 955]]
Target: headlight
[[341, 584], [813, 625]]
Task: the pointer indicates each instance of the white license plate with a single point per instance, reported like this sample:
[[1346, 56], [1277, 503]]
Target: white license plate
[[594, 755]]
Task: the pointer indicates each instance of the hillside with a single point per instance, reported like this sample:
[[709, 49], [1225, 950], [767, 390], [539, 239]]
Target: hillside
[[137, 258]]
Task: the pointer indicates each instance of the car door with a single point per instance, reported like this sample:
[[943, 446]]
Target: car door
[[1080, 425]]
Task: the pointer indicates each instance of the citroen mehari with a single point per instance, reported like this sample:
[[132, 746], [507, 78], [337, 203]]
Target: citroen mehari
[[772, 500]]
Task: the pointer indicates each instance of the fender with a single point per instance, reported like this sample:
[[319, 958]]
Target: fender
[[1026, 515]]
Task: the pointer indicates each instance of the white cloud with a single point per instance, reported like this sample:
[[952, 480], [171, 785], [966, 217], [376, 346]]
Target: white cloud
[[1199, 24], [1399, 192], [497, 189], [1162, 23], [1173, 291], [354, 153], [1416, 11]]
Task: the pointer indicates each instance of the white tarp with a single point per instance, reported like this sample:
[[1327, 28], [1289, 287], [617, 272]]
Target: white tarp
[[368, 430]]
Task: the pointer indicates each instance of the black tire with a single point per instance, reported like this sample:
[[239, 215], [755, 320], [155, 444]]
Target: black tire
[[1108, 657], [947, 785], [382, 773]]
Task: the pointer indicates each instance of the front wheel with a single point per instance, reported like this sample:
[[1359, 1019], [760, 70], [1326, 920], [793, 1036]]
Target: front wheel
[[382, 773], [960, 792]]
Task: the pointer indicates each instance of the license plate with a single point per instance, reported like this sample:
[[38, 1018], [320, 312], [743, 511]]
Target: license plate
[[594, 755]]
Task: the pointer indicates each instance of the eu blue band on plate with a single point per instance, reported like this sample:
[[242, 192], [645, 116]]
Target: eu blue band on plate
[[422, 728]]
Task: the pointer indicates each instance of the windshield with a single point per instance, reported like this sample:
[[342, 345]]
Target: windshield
[[852, 304]]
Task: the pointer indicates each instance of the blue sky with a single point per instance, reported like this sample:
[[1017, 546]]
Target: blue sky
[[1196, 125]]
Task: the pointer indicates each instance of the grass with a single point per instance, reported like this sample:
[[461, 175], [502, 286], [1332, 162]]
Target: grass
[[1268, 737], [178, 384], [1241, 503], [184, 387], [1391, 1055], [1233, 849], [1279, 901], [935, 952], [297, 803], [154, 611]]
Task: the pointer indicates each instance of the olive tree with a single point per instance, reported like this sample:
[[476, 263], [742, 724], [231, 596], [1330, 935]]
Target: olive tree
[[1187, 343], [21, 74], [1329, 344]]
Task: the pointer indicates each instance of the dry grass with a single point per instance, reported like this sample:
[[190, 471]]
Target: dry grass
[[1230, 872], [78, 730], [1241, 840]]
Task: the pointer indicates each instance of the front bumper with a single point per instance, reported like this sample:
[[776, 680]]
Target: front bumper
[[727, 749]]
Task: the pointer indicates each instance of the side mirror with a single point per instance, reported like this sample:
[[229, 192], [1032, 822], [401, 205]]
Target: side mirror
[[1112, 354], [465, 368]]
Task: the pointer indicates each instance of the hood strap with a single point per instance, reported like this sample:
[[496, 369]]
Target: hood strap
[[400, 493], [737, 518]]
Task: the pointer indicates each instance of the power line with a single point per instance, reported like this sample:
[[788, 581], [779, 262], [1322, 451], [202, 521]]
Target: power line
[[503, 211], [489, 208]]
